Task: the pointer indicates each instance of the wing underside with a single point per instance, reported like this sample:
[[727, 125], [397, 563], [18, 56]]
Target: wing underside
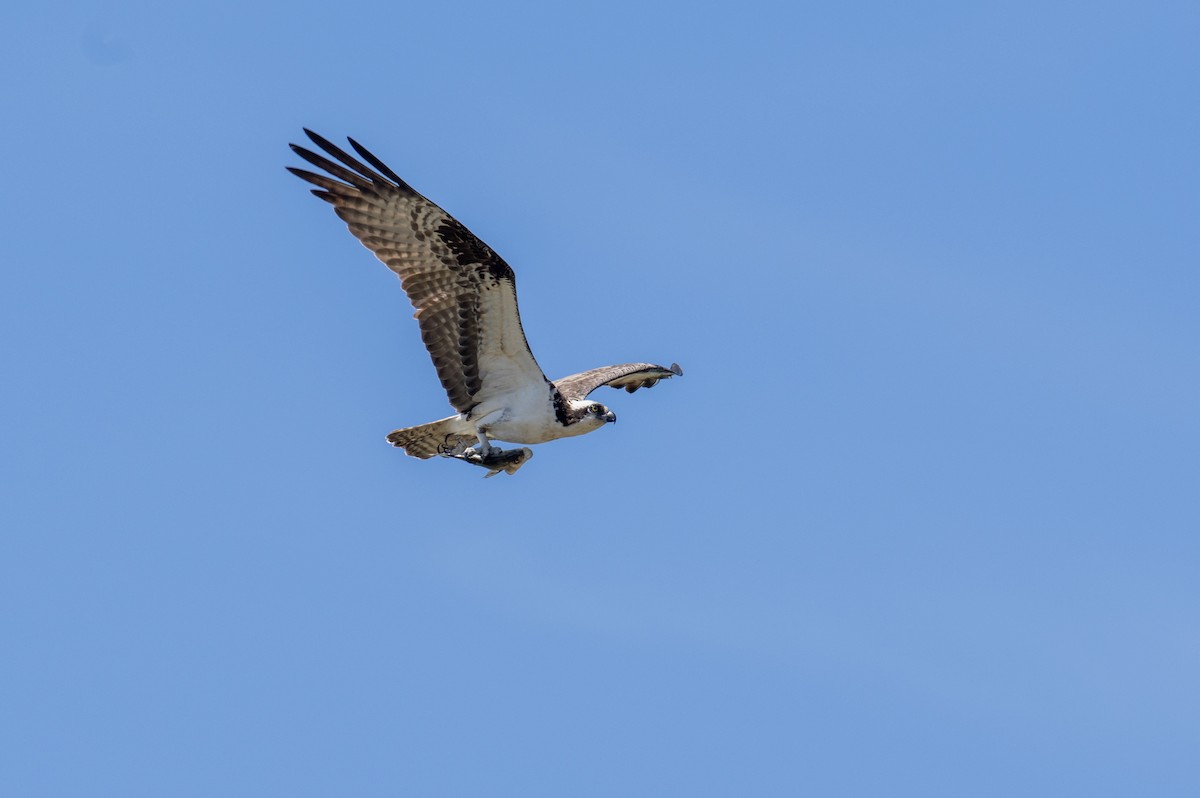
[[463, 292], [629, 376]]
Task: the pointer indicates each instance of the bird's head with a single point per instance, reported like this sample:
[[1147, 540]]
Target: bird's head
[[592, 414]]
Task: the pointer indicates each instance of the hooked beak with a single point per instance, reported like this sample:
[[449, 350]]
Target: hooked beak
[[610, 417]]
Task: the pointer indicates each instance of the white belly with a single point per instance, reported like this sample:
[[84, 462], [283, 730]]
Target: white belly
[[525, 417]]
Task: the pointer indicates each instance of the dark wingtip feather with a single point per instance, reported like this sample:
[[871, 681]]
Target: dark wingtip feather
[[320, 141], [357, 175], [377, 163], [342, 156], [303, 152]]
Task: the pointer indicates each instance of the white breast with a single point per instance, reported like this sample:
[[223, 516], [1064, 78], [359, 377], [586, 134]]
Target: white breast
[[525, 416]]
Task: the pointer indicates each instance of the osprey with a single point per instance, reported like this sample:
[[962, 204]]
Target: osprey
[[466, 306]]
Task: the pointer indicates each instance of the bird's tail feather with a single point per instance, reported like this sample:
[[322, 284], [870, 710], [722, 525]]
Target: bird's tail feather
[[436, 437]]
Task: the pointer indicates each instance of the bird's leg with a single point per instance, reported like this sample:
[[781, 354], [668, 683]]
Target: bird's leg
[[485, 448], [481, 424]]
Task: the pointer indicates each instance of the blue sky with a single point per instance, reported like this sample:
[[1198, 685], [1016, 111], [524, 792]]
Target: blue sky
[[921, 518]]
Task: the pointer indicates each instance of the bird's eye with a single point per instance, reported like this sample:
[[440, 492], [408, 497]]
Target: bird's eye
[[598, 409]]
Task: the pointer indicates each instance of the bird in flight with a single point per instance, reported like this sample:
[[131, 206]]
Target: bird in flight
[[466, 307]]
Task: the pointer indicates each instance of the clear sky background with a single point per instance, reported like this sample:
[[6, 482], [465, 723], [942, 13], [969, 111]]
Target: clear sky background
[[920, 520]]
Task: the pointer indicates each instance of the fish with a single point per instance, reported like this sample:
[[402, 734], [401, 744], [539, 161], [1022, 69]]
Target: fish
[[496, 460]]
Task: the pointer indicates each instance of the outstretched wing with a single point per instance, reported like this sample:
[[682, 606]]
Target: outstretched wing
[[629, 376], [464, 293]]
